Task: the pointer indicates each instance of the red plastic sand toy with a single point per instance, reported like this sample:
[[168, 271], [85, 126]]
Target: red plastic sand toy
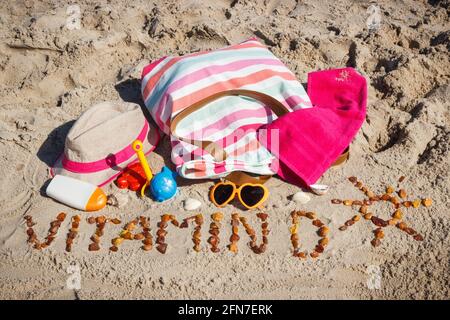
[[132, 178]]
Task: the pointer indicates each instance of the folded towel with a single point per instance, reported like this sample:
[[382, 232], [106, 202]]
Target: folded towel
[[311, 139]]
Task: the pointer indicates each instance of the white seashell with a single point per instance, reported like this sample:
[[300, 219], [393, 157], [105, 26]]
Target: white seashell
[[191, 204], [117, 199], [319, 189], [301, 197]]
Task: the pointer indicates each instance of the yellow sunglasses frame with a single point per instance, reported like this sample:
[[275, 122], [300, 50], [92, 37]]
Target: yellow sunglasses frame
[[237, 190]]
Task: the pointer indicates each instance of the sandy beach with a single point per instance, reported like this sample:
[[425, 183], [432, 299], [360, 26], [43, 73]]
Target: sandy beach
[[52, 71]]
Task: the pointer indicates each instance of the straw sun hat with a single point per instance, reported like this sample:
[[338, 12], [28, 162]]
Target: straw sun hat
[[98, 146]]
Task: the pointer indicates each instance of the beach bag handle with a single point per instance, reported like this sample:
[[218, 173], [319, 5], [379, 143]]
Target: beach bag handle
[[211, 147], [237, 177]]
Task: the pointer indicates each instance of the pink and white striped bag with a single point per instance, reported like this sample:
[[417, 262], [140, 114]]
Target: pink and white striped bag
[[172, 84]]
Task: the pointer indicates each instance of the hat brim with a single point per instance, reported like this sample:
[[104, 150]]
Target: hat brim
[[103, 177]]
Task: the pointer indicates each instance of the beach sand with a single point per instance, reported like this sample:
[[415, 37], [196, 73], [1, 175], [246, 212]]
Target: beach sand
[[51, 74]]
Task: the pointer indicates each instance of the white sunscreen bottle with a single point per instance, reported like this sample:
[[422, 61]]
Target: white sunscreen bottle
[[77, 194]]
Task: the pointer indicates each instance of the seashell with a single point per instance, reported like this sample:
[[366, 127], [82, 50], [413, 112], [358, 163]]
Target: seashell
[[301, 197], [118, 199], [191, 204], [319, 189]]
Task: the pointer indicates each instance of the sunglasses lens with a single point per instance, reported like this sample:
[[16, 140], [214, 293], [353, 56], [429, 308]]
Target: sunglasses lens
[[251, 195], [222, 193]]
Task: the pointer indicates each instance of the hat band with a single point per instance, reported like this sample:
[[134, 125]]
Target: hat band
[[109, 162]]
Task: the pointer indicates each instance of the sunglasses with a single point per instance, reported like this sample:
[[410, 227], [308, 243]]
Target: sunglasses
[[249, 194]]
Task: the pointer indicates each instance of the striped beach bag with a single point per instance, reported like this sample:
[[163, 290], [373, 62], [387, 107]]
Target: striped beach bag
[[211, 104]]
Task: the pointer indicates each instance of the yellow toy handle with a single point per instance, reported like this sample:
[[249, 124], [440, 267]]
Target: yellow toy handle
[[137, 147]]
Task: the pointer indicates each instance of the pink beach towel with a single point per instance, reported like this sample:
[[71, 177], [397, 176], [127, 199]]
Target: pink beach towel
[[310, 140]]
